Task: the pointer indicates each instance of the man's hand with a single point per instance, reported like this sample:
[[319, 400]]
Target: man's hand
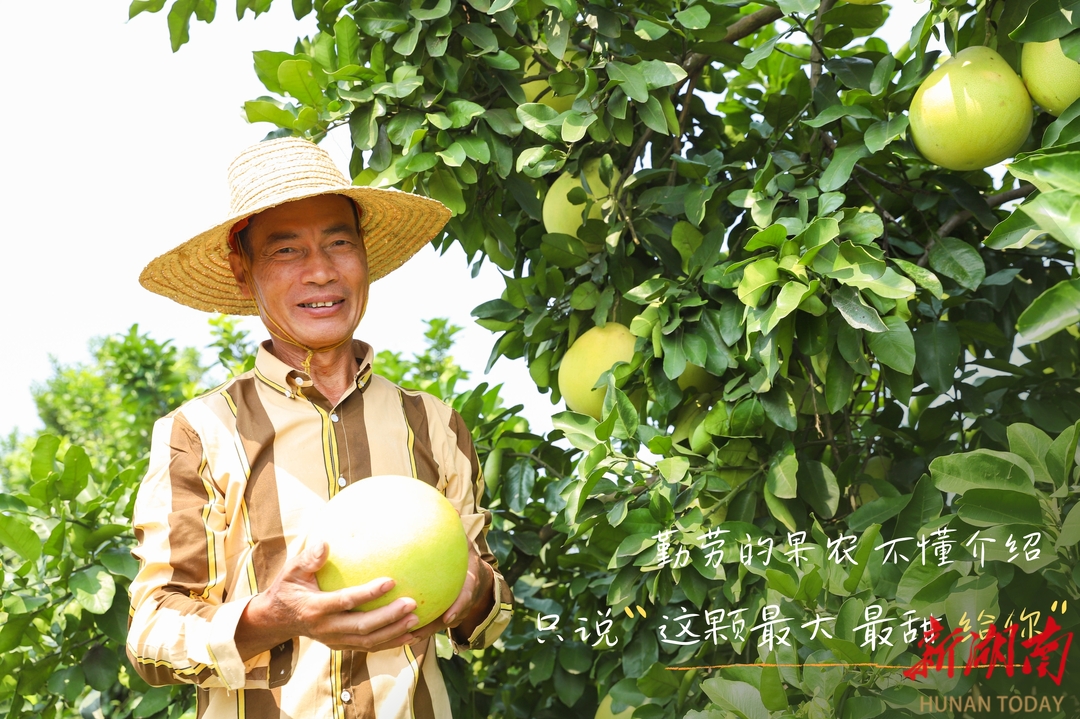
[[295, 606], [473, 602]]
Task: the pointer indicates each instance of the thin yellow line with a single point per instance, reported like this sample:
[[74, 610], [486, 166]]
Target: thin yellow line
[[416, 677], [329, 451], [335, 681], [229, 401], [827, 664], [412, 436], [252, 580], [268, 381], [241, 704]]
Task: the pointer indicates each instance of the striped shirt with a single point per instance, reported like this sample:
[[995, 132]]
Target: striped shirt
[[234, 479]]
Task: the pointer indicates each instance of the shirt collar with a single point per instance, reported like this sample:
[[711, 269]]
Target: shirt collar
[[291, 382]]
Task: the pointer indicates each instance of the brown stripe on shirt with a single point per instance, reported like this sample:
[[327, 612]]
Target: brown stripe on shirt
[[422, 706], [427, 469], [260, 704], [261, 493], [188, 554], [357, 679]]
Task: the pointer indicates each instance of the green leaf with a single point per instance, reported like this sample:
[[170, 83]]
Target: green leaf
[[896, 347], [630, 79], [539, 118], [991, 507], [757, 278], [925, 505], [266, 111], [1047, 20], [695, 17], [862, 556], [982, 469], [1054, 310], [818, 486], [43, 459], [17, 535], [880, 134], [444, 187], [659, 681], [674, 469], [94, 589], [937, 352], [832, 113], [658, 73], [759, 53], [579, 429], [297, 78], [1057, 213], [152, 701], [518, 487], [738, 697], [783, 470], [1032, 444], [653, 116], [481, 36], [179, 21], [877, 511], [378, 18], [441, 9], [839, 170], [1069, 536], [856, 312], [957, 259], [101, 666], [1015, 232]]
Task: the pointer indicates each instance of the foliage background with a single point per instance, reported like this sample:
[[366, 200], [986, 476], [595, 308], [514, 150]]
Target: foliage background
[[891, 351]]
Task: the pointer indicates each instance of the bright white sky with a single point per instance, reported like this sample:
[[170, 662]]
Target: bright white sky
[[114, 150]]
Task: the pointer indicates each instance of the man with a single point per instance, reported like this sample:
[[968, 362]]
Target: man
[[226, 596]]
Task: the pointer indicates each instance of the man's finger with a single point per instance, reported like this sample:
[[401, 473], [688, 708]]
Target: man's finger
[[343, 600], [313, 558]]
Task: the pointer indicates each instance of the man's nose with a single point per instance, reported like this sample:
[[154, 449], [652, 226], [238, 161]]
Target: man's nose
[[320, 268]]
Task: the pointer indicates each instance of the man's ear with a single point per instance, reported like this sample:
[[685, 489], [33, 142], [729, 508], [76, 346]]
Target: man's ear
[[237, 267]]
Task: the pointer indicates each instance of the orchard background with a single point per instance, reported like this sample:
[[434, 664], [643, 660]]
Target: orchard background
[[889, 347]]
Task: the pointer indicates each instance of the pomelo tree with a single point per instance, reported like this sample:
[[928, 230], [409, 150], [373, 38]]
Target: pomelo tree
[[891, 345]]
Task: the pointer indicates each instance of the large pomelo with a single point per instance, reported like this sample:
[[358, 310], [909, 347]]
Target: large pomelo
[[592, 354], [397, 527], [1052, 78], [971, 112], [604, 711]]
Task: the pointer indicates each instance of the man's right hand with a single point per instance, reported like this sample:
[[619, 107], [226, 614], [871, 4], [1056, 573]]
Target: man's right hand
[[295, 606]]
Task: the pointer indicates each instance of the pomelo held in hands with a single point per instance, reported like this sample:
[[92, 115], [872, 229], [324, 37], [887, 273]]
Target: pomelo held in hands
[[971, 112], [397, 527], [594, 353]]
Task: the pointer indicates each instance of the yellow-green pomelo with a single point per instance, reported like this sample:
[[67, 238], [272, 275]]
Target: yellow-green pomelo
[[559, 214], [1052, 78], [532, 90], [698, 378], [971, 112], [604, 710], [397, 527], [594, 353]]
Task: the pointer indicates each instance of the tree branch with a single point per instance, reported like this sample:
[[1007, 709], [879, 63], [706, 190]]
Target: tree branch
[[745, 26], [993, 201], [817, 56]]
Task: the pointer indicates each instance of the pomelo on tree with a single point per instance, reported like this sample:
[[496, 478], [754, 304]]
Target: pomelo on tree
[[1052, 78], [397, 527], [594, 353], [971, 112], [604, 710], [535, 90], [559, 214]]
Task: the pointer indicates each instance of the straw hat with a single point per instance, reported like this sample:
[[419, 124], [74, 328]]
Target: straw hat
[[395, 224]]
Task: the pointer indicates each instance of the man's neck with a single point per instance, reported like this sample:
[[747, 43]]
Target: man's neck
[[333, 372]]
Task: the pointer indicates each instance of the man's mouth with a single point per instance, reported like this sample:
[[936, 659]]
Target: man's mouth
[[321, 304]]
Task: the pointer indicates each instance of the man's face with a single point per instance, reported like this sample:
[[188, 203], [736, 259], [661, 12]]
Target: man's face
[[310, 267]]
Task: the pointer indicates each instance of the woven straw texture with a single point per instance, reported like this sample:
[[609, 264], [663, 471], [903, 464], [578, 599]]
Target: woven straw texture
[[395, 224]]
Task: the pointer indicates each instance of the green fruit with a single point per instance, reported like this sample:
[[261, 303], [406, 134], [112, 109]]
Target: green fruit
[[534, 89], [698, 378], [1052, 78], [559, 214], [971, 112], [604, 710], [371, 528], [594, 353]]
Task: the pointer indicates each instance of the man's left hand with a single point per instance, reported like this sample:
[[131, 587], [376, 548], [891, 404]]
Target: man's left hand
[[472, 604]]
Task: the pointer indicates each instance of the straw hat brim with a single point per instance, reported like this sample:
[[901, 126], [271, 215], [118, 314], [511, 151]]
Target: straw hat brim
[[395, 226]]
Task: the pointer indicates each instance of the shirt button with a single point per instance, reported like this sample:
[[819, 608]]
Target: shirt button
[[341, 481], [346, 696], [333, 418]]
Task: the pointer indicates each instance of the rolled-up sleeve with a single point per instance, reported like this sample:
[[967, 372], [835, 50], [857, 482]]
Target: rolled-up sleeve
[[465, 490], [181, 628]]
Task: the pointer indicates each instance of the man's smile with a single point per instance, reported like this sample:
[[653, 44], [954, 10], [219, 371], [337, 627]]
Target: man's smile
[[321, 304]]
